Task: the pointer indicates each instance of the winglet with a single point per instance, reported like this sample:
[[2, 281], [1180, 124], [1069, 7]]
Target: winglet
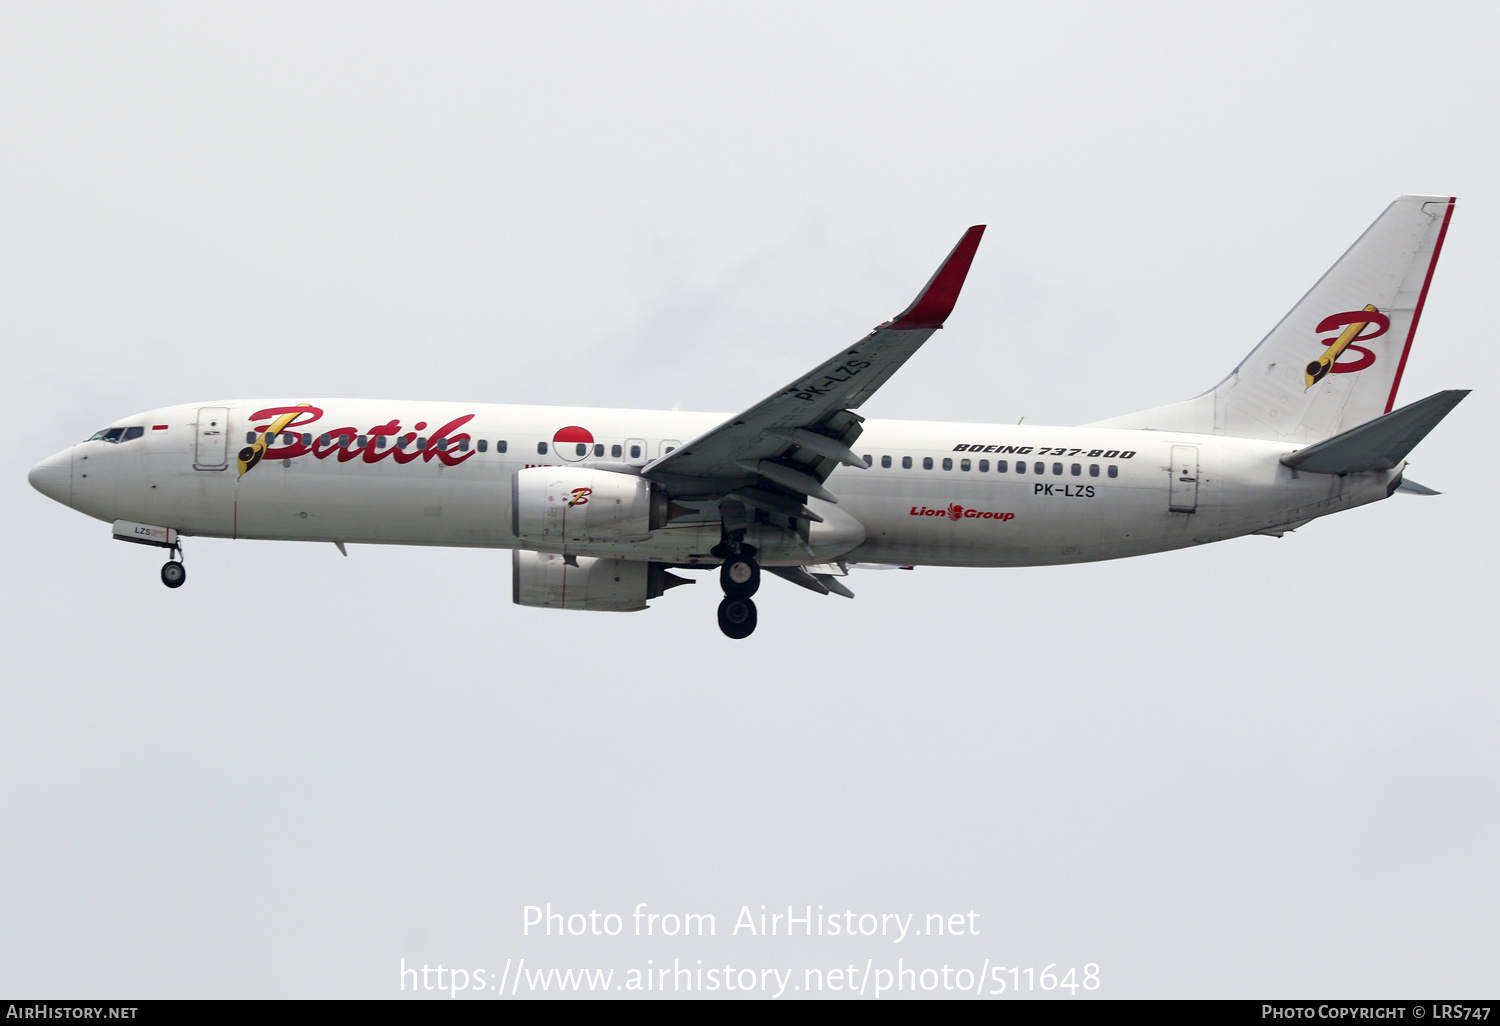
[[937, 298]]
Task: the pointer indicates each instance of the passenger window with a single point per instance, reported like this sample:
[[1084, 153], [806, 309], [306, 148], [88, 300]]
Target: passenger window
[[500, 445], [541, 448], [463, 445], [1077, 469], [984, 466], [1093, 470], [1114, 471], [483, 445], [635, 452], [885, 462], [401, 443], [324, 440], [344, 441], [1001, 466], [287, 438], [1039, 468], [616, 451], [380, 442], [963, 464], [599, 449], [441, 443], [947, 464], [364, 440], [1020, 466], [581, 449], [926, 462], [906, 463], [131, 434], [869, 460], [249, 437], [1057, 469]]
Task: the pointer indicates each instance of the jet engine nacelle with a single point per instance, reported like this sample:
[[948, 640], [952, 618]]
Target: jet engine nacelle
[[558, 505], [583, 582]]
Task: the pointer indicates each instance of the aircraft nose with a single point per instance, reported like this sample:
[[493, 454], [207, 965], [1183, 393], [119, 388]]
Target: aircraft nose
[[53, 477]]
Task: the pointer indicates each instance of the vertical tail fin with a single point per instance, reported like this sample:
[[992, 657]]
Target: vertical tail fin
[[1335, 361]]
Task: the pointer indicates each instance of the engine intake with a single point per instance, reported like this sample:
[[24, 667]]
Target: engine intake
[[582, 582]]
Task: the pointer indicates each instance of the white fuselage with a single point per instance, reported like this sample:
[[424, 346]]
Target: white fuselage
[[1084, 494]]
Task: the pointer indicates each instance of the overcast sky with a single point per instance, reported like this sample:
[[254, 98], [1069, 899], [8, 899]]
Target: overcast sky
[[1260, 768]]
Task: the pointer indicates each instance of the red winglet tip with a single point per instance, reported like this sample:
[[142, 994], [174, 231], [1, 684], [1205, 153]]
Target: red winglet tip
[[937, 299]]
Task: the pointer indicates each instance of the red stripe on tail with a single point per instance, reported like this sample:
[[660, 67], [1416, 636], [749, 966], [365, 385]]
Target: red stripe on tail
[[1416, 316]]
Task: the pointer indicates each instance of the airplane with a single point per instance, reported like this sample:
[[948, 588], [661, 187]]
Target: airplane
[[605, 509]]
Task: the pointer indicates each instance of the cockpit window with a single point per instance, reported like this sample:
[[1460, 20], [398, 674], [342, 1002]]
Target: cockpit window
[[117, 434]]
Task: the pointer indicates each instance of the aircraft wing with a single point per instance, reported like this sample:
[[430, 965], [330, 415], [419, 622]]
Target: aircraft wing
[[794, 438]]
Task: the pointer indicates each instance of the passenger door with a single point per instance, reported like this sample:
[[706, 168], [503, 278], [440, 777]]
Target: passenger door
[[212, 452], [1184, 492]]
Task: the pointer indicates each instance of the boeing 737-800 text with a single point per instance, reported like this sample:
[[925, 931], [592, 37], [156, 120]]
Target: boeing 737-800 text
[[601, 506]]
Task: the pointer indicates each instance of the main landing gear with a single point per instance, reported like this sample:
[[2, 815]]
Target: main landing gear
[[740, 578], [737, 617]]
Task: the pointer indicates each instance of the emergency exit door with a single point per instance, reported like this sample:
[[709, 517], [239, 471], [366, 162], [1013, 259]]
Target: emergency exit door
[[212, 452], [1184, 492]]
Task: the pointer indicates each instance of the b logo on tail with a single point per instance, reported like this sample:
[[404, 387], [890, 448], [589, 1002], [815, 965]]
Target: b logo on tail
[[1357, 321]]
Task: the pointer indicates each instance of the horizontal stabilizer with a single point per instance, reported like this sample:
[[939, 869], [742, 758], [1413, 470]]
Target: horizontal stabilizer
[[1378, 444], [1411, 487]]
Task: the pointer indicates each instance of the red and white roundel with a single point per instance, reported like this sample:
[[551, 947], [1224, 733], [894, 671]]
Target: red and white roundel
[[572, 443]]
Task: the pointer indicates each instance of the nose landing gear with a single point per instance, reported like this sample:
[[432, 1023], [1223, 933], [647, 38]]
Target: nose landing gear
[[173, 574]]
